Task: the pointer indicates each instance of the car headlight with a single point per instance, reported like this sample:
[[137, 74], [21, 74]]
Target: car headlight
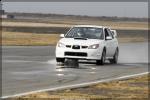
[[94, 46], [61, 45]]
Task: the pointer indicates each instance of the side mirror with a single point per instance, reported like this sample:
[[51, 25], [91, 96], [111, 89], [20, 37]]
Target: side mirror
[[62, 35], [108, 38]]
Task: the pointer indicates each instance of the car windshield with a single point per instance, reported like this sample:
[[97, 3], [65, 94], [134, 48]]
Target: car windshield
[[85, 33]]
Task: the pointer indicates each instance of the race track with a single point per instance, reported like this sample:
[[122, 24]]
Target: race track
[[32, 68]]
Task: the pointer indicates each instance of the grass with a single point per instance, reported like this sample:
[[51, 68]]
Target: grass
[[34, 39], [17, 38], [131, 89], [29, 39], [113, 25]]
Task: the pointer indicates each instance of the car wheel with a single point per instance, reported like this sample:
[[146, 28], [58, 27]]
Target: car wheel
[[102, 60], [115, 57], [62, 60]]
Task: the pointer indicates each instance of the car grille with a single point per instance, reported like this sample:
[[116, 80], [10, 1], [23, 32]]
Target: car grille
[[75, 47], [76, 54]]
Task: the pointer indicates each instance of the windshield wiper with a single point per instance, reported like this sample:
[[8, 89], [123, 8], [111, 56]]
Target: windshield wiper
[[82, 38]]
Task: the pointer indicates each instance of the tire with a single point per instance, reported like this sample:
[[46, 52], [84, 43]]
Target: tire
[[62, 60], [115, 57], [102, 60]]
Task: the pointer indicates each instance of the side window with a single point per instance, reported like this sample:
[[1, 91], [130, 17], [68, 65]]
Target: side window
[[109, 33], [112, 33], [106, 33]]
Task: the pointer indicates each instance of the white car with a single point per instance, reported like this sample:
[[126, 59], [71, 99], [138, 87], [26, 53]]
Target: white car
[[88, 42]]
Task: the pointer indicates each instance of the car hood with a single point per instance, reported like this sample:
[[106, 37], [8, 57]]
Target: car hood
[[72, 41]]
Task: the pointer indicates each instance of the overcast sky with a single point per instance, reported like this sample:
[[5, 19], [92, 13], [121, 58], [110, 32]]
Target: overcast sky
[[121, 9]]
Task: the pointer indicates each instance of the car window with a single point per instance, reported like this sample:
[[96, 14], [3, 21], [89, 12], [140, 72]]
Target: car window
[[110, 33], [85, 32], [107, 32]]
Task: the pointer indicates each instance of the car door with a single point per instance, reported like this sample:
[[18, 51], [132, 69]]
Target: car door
[[109, 43], [114, 43]]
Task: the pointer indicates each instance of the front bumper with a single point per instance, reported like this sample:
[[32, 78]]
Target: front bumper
[[87, 54]]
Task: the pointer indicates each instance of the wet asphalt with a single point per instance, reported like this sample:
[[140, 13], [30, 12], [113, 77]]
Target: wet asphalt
[[31, 68]]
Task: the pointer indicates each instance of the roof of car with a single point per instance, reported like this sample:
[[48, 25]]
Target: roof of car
[[89, 26]]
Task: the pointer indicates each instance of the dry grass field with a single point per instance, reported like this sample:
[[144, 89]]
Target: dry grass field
[[113, 25], [28, 39], [33, 39], [128, 89], [31, 33]]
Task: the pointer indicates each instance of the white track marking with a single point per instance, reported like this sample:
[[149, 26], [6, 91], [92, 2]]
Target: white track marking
[[76, 85]]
